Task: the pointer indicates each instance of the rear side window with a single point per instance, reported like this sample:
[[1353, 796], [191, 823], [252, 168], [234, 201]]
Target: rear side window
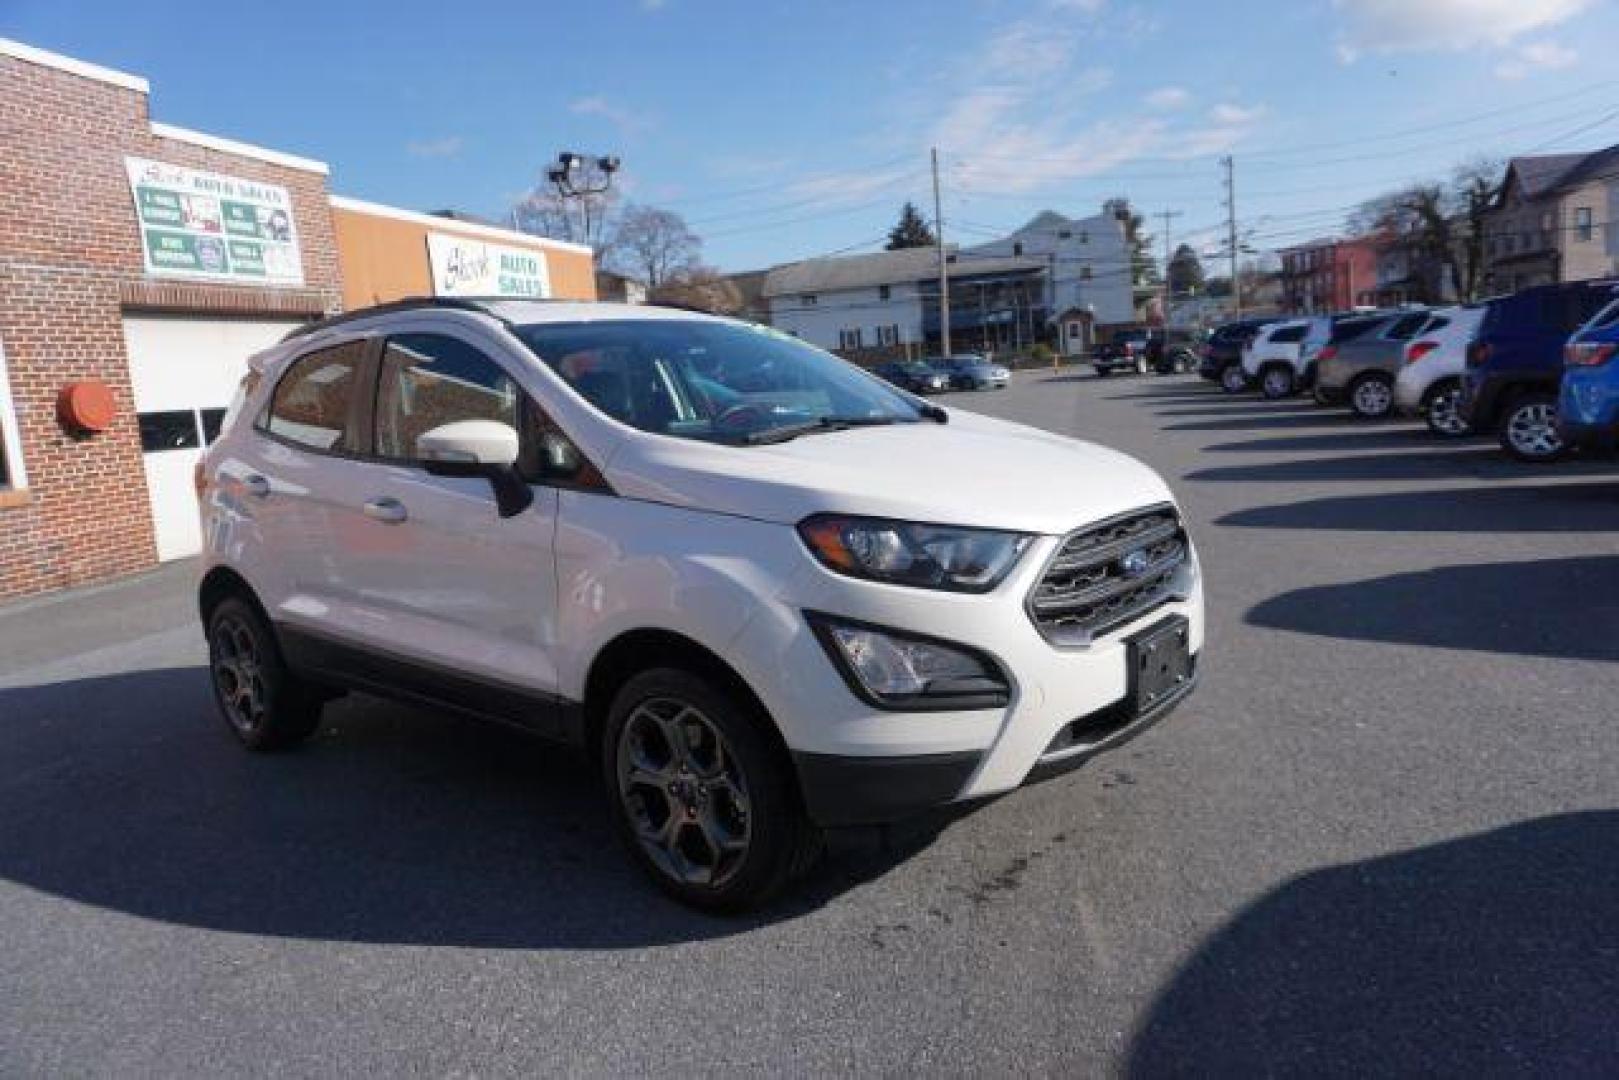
[[1288, 335], [1407, 326], [429, 380], [1605, 318], [1434, 325], [1350, 329], [312, 401]]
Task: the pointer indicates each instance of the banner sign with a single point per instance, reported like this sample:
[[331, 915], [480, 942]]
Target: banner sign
[[466, 267], [203, 225]]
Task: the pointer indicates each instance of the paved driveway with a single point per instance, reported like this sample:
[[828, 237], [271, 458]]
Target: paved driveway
[[1382, 837]]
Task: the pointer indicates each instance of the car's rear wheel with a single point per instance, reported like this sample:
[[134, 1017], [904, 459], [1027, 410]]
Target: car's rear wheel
[[1233, 380], [704, 798], [1371, 396], [263, 702], [1141, 365], [1443, 413], [1277, 382], [1529, 429]]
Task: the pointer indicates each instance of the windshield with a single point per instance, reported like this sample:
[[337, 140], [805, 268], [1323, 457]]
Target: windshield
[[715, 381]]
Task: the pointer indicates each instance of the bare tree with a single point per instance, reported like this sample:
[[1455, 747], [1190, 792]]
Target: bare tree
[[1439, 226], [700, 287], [655, 245]]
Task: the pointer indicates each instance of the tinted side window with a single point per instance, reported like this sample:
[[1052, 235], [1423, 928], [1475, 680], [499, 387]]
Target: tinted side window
[[1406, 326], [1607, 317], [428, 380], [1292, 335], [311, 406], [1350, 329]]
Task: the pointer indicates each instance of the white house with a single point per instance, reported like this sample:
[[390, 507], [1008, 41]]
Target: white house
[[852, 302], [1089, 274]]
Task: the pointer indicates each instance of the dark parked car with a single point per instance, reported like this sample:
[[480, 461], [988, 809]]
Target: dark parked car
[[1222, 352], [1359, 362], [971, 373], [1515, 364], [914, 376], [1126, 352], [1174, 351]]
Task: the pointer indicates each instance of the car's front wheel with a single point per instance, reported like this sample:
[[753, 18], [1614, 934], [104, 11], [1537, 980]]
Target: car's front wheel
[[704, 798], [1277, 382], [1444, 412], [1529, 429], [1233, 380], [263, 702], [1371, 396]]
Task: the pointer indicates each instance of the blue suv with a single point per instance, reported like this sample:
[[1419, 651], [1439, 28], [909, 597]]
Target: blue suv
[[1588, 404], [1515, 364]]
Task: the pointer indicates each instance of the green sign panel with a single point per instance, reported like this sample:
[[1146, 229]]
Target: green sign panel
[[206, 225]]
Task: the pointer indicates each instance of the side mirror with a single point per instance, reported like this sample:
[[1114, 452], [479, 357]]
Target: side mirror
[[485, 448]]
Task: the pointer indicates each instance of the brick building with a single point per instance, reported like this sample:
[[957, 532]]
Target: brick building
[[140, 265], [1329, 275]]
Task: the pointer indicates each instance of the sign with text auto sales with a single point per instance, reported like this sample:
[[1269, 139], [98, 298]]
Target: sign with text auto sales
[[211, 227], [463, 266]]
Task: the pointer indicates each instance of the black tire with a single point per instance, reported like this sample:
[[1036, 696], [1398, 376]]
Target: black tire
[[1277, 381], [1233, 380], [1442, 411], [260, 700], [731, 784], [1371, 396], [1528, 428], [1102, 372], [1141, 365]]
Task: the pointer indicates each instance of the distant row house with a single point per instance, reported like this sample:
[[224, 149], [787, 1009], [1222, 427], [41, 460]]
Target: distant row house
[[1552, 220], [1059, 280]]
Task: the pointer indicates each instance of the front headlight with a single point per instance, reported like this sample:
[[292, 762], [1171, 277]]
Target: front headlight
[[905, 553], [902, 671]]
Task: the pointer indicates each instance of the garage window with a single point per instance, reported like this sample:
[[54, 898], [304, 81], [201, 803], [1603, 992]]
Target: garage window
[[311, 406]]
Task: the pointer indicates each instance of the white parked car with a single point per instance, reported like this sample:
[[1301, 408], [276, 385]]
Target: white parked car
[[1430, 381], [1274, 358], [707, 554]]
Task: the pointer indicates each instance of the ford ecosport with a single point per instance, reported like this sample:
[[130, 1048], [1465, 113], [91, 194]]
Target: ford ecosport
[[697, 549]]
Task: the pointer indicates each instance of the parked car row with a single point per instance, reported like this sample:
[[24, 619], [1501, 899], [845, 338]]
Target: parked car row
[[1533, 368], [934, 376], [1141, 351]]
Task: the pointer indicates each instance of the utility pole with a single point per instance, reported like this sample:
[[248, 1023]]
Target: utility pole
[[1231, 230], [944, 273], [1168, 216]]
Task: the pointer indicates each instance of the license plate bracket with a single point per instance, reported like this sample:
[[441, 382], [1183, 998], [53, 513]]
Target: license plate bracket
[[1160, 660]]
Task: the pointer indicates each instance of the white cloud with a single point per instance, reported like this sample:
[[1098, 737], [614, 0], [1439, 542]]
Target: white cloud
[[1409, 25], [621, 118], [449, 146], [1169, 97], [1536, 56], [1235, 115]]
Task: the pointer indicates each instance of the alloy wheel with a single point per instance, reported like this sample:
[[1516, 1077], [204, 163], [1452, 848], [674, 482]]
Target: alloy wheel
[[1373, 397], [238, 669], [1232, 380], [682, 789], [1278, 383], [1445, 412], [1532, 430]]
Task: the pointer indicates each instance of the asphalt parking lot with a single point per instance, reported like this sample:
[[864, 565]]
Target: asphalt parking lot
[[1384, 835]]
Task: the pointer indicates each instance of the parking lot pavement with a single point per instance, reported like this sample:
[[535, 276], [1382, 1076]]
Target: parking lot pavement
[[1381, 836]]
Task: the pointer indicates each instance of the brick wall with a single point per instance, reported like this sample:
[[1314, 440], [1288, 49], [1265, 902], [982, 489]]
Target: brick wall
[[70, 263]]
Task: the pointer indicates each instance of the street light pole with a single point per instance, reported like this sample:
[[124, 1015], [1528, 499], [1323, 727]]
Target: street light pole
[[944, 273], [561, 175]]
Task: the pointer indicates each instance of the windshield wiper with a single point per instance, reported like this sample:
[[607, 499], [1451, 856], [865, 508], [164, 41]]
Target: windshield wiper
[[810, 427]]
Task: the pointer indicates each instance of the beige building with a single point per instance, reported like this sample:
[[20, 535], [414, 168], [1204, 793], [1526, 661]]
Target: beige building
[[1553, 221]]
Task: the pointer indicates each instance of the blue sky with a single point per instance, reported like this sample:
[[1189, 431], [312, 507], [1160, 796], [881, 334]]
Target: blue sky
[[783, 130]]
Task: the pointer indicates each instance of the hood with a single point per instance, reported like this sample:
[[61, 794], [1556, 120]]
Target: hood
[[970, 471]]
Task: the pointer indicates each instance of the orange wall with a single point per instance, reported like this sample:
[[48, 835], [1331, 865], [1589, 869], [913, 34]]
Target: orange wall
[[385, 258]]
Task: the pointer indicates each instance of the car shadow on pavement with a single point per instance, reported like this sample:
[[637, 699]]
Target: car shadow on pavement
[[1490, 954], [1510, 608], [1271, 419], [1367, 436], [1478, 459], [1516, 508], [392, 825]]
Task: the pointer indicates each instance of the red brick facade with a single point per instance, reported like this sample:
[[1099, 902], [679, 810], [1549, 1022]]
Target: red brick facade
[[70, 266]]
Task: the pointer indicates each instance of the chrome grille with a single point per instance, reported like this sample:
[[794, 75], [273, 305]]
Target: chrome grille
[[1106, 575]]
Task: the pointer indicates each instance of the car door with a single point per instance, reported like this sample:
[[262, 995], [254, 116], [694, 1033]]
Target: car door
[[463, 599]]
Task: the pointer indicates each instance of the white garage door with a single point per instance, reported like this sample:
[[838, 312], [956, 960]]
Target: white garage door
[[185, 372]]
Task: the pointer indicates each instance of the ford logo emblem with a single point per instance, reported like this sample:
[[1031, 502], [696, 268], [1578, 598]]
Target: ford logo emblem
[[1134, 563]]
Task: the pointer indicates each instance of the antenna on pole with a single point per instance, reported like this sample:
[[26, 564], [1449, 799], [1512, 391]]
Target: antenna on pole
[[944, 273], [1231, 230]]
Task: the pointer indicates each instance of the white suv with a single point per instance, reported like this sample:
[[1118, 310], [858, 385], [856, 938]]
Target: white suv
[[1430, 379], [704, 552], [1274, 358]]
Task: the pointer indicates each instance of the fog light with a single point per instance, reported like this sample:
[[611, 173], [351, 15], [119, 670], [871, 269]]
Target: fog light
[[896, 670]]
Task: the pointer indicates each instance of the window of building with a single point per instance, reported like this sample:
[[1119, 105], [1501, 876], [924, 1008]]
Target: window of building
[[1065, 234], [11, 471], [429, 380], [1084, 237], [1017, 249], [888, 335], [311, 405], [1075, 330], [850, 339], [883, 292], [172, 430], [808, 299], [1582, 223], [1084, 273]]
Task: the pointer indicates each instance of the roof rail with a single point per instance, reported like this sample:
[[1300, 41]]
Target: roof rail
[[478, 304]]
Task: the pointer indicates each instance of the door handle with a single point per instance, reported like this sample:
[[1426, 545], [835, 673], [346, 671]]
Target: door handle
[[257, 486], [387, 510]]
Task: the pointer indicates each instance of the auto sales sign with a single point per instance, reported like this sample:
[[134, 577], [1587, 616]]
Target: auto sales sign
[[466, 267], [208, 226]]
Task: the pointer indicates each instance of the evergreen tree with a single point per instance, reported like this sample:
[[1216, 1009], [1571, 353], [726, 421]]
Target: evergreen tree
[[1185, 272], [912, 231]]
